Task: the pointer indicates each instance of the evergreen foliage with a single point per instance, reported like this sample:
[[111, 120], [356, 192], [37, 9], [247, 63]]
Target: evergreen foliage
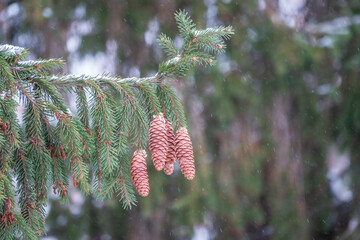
[[42, 148]]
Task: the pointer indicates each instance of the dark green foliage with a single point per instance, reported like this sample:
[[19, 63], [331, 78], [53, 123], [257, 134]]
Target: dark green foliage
[[93, 145]]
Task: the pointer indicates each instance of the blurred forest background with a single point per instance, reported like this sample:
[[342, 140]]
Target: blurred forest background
[[275, 124]]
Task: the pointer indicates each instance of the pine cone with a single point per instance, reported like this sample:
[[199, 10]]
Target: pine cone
[[184, 153], [169, 168], [171, 154], [139, 173], [158, 141]]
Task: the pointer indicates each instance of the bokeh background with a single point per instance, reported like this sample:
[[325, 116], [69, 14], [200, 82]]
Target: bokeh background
[[275, 124]]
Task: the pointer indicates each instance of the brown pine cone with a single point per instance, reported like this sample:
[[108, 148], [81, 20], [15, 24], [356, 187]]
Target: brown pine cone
[[158, 143], [139, 173], [184, 153], [171, 154]]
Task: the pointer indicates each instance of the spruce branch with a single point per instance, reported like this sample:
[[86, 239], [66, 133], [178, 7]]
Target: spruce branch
[[167, 45], [94, 143], [199, 46]]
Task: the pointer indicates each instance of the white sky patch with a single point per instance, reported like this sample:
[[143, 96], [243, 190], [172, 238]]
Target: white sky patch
[[73, 43], [24, 40], [211, 13], [76, 201], [82, 27], [111, 52], [134, 72], [290, 10], [49, 238], [179, 42], [74, 38], [101, 62], [47, 12], [262, 5], [152, 32], [341, 190], [338, 163], [201, 233], [353, 224], [326, 41], [291, 7], [91, 64], [224, 64], [337, 26], [80, 11], [13, 10]]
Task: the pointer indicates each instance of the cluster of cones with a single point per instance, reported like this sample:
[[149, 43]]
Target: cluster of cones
[[165, 148]]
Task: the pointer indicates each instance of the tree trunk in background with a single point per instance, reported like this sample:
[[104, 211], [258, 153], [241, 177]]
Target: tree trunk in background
[[4, 24], [286, 175], [115, 30], [147, 228]]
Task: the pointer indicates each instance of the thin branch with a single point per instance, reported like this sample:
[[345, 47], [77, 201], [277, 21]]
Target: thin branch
[[184, 53]]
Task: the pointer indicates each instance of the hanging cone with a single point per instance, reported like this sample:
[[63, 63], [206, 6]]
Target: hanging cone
[[169, 168], [139, 173], [158, 141], [184, 153], [171, 154]]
